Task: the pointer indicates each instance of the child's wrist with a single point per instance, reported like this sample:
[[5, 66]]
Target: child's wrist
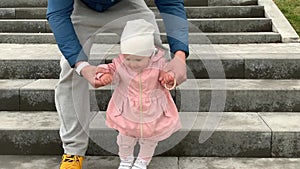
[[170, 72]]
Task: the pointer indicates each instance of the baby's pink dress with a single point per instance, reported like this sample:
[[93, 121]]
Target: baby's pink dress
[[140, 106]]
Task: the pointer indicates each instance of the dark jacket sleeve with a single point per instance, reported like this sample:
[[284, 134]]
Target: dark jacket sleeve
[[175, 20], [58, 16]]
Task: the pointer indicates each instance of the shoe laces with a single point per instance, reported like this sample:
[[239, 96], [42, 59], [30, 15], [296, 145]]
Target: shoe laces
[[71, 162]]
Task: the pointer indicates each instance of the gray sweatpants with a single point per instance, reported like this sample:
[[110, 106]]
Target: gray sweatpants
[[71, 92]]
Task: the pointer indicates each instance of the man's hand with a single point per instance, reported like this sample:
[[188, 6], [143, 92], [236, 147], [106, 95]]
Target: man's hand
[[89, 73], [178, 66]]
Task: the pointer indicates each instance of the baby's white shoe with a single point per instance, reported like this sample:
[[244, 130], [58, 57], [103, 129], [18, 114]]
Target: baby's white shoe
[[126, 163], [140, 164]]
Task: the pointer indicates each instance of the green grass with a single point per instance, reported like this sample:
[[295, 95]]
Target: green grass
[[291, 10]]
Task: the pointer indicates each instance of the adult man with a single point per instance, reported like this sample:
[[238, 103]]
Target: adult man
[[71, 35]]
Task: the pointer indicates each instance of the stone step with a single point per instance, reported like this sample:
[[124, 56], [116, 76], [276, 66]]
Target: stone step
[[220, 2], [25, 26], [240, 95], [195, 25], [194, 38], [43, 3], [225, 12], [226, 25], [269, 61], [22, 3], [23, 13], [192, 12], [111, 162], [233, 134]]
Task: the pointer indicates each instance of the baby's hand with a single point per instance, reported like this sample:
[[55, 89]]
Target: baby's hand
[[168, 80], [105, 79]]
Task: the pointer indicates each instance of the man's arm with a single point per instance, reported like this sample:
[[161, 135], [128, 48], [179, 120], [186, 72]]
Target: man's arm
[[175, 20], [58, 16], [174, 16]]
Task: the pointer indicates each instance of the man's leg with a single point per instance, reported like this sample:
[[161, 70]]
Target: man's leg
[[74, 120]]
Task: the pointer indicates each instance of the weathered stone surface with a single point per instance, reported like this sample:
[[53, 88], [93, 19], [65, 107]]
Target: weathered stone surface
[[29, 69], [112, 162], [272, 66], [280, 22], [21, 3], [7, 13], [271, 48], [234, 38], [33, 13], [195, 38], [231, 2], [205, 94], [195, 25], [10, 93], [225, 12], [246, 136], [241, 163], [90, 162], [38, 95], [239, 95], [24, 26], [186, 2], [200, 25], [243, 25], [192, 12], [27, 38], [204, 65], [236, 134], [238, 61], [285, 128], [30, 133]]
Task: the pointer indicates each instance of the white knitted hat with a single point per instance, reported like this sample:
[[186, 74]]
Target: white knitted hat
[[138, 38]]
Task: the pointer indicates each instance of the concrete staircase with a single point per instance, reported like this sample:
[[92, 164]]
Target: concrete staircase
[[260, 124], [243, 23]]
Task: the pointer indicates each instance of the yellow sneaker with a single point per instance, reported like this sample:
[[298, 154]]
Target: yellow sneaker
[[71, 162]]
